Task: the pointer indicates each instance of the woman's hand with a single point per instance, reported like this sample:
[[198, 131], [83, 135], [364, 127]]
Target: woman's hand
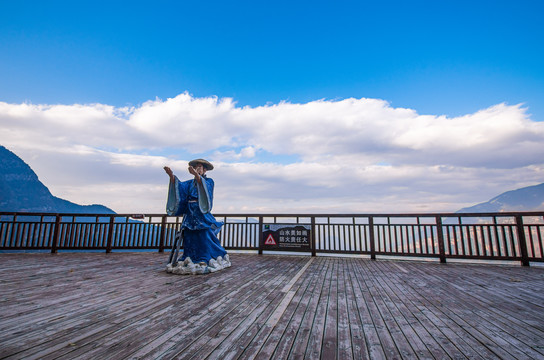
[[193, 171], [170, 173]]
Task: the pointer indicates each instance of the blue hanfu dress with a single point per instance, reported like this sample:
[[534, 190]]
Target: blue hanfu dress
[[202, 250]]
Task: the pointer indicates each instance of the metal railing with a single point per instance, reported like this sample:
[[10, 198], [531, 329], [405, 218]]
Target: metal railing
[[513, 236]]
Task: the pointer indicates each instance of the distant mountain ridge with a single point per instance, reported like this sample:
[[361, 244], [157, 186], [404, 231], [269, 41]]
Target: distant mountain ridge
[[530, 198], [22, 191]]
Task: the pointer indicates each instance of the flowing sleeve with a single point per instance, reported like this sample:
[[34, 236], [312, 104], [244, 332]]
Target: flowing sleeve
[[205, 195], [177, 201]]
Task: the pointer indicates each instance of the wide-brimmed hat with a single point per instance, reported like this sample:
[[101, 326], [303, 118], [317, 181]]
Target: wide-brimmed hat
[[204, 163]]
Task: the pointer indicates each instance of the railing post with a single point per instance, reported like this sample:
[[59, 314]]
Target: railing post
[[163, 234], [110, 235], [522, 241], [9, 232], [261, 239], [56, 235], [371, 238], [440, 234], [312, 238]]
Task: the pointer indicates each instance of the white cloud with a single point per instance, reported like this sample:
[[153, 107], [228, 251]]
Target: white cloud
[[194, 124], [352, 155], [247, 152], [57, 126]]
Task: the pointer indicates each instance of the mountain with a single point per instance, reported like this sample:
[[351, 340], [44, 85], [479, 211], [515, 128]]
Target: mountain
[[530, 198], [22, 191]]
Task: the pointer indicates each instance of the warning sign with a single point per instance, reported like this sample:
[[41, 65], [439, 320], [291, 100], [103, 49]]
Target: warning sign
[[288, 237], [270, 240]]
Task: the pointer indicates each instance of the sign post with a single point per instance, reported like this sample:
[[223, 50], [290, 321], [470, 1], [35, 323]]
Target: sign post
[[286, 237]]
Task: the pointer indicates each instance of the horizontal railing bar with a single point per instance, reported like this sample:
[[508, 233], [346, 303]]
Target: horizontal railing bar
[[431, 236], [300, 215]]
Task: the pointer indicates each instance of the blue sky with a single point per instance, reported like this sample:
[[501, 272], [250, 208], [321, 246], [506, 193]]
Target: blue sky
[[437, 57], [434, 58]]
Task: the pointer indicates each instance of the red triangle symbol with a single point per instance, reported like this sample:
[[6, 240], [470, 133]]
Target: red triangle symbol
[[270, 240]]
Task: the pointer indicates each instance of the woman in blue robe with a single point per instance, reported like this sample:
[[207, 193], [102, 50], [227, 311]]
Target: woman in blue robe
[[202, 250]]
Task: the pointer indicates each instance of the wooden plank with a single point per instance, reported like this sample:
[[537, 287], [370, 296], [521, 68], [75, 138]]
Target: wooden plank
[[124, 305], [446, 332], [302, 338], [483, 300], [379, 341], [392, 341], [75, 286], [344, 342], [420, 340], [202, 307], [315, 341], [264, 343], [62, 325], [329, 347], [123, 294], [171, 334], [360, 348], [300, 304], [243, 313], [291, 294], [467, 319], [431, 335], [442, 312]]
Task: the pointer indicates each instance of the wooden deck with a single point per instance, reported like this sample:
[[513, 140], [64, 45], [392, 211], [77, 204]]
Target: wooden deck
[[125, 306]]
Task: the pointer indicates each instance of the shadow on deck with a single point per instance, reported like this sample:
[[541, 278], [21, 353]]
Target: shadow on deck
[[124, 305]]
